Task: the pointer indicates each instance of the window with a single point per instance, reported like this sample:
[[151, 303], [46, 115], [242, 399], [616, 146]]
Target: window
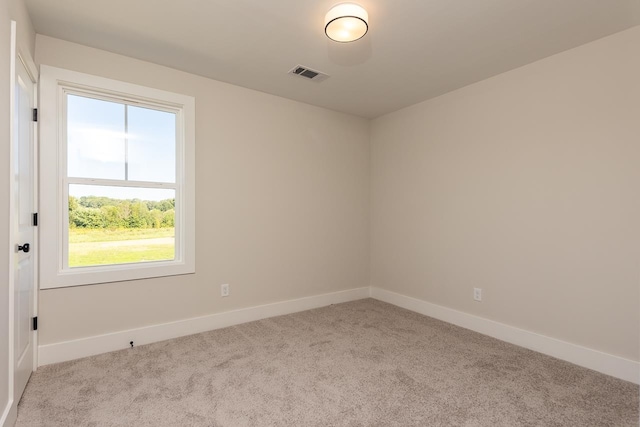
[[117, 187]]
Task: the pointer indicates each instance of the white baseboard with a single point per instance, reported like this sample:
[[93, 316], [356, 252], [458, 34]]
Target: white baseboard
[[608, 364], [75, 349], [9, 414]]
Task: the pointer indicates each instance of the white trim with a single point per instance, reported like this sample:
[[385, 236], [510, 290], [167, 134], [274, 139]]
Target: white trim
[[11, 403], [29, 64], [33, 71], [605, 363], [9, 415], [54, 82], [608, 364], [69, 350]]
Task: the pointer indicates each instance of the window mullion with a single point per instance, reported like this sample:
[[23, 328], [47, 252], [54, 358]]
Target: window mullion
[[122, 183], [126, 142]]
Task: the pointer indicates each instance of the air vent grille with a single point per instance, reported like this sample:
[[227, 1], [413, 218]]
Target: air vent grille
[[308, 73]]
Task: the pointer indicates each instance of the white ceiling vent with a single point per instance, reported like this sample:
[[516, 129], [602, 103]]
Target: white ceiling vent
[[308, 73]]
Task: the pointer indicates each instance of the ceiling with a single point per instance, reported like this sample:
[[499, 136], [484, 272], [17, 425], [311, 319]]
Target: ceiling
[[415, 49]]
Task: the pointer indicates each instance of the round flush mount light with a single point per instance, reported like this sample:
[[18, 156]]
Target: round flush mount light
[[346, 22]]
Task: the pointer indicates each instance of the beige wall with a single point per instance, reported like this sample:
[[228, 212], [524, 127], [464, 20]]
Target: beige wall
[[11, 10], [26, 34], [282, 205], [526, 185]]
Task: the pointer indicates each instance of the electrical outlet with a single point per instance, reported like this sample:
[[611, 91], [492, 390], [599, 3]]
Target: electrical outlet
[[224, 290], [477, 294]]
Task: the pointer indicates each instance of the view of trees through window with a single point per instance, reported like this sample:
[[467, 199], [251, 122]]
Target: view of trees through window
[[121, 178], [101, 227]]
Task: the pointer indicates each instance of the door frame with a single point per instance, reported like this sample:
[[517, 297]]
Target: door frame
[[17, 54]]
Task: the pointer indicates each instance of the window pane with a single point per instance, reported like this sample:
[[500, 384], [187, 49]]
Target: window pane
[[120, 225], [152, 145], [95, 138]]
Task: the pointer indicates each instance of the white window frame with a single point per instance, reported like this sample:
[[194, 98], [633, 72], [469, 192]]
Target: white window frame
[[55, 84]]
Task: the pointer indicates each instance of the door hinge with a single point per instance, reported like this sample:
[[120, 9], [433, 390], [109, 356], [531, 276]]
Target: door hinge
[[35, 323], [35, 219], [35, 114]]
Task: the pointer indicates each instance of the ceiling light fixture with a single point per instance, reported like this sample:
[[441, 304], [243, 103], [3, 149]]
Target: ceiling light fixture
[[346, 22]]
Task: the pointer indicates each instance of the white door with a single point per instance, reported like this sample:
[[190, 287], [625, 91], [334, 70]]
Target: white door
[[23, 228]]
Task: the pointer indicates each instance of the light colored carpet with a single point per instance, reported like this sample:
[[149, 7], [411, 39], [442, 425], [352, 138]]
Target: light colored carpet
[[363, 363]]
